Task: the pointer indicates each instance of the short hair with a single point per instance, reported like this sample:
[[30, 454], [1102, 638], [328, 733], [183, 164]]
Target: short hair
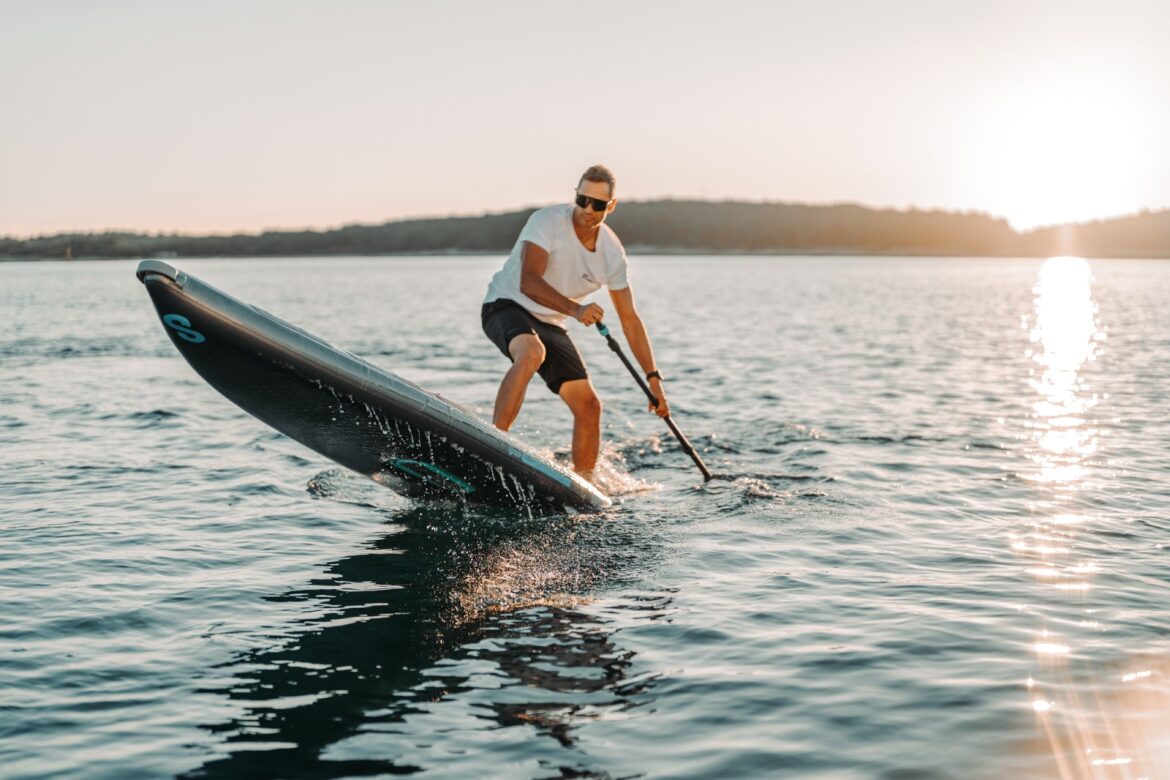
[[599, 173]]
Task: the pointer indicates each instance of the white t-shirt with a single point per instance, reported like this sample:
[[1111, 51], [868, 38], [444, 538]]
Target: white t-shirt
[[573, 270]]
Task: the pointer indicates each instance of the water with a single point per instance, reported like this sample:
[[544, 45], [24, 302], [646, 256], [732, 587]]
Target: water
[[942, 554]]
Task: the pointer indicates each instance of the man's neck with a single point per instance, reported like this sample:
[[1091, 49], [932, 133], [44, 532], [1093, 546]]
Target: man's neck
[[587, 235], [586, 232]]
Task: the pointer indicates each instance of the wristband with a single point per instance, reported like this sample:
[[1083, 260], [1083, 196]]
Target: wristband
[[653, 374]]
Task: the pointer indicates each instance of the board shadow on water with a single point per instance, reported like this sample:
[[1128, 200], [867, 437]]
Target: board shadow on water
[[412, 641]]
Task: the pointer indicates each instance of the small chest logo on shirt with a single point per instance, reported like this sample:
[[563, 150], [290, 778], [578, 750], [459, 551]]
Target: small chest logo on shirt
[[589, 278]]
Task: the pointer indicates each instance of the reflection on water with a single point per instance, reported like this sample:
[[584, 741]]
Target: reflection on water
[[403, 639], [1093, 726], [1066, 338]]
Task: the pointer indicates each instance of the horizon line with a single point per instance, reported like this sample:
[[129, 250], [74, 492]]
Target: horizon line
[[913, 208]]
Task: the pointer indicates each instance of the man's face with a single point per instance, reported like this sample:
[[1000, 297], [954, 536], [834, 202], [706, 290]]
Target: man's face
[[588, 217]]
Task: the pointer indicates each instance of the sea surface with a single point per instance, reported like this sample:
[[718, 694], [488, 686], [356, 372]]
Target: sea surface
[[936, 546]]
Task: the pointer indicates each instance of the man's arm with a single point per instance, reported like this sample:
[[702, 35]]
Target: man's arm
[[635, 330], [533, 264]]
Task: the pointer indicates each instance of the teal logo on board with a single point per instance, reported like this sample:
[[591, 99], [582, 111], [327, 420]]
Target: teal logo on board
[[427, 472], [181, 325]]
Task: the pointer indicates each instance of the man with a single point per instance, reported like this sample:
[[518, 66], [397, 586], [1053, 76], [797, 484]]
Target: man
[[563, 254]]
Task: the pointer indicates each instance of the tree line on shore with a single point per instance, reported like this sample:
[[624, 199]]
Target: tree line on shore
[[674, 226]]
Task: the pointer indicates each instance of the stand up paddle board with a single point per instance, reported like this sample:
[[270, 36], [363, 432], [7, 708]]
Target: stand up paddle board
[[349, 410]]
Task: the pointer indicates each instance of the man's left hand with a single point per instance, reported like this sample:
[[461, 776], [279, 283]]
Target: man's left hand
[[663, 408]]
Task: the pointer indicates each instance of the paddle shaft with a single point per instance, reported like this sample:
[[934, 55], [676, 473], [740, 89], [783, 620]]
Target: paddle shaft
[[682, 439]]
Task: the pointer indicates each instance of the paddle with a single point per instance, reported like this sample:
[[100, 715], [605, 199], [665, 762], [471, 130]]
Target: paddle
[[686, 445]]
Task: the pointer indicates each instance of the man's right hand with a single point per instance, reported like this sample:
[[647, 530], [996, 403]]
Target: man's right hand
[[590, 314]]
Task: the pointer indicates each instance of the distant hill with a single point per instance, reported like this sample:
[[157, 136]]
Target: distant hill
[[677, 226]]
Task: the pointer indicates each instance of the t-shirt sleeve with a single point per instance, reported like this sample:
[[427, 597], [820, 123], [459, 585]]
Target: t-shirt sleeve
[[541, 229], [619, 268]]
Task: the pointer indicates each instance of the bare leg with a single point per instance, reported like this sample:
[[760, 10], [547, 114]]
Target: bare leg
[[527, 354], [586, 406]]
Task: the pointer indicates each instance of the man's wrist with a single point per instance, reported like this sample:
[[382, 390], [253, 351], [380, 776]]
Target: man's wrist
[[653, 375]]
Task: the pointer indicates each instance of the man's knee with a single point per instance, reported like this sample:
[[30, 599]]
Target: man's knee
[[526, 351], [591, 406], [582, 399]]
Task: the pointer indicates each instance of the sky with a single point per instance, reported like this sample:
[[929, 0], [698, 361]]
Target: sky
[[236, 116]]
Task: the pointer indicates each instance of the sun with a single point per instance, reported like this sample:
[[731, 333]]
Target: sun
[[1061, 151]]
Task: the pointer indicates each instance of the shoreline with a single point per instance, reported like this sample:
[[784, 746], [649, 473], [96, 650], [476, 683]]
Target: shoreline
[[631, 251], [653, 227]]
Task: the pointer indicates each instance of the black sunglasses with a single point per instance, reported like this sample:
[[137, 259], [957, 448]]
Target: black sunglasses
[[598, 203]]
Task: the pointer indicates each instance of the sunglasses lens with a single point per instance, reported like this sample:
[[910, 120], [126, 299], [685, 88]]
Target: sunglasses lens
[[598, 204]]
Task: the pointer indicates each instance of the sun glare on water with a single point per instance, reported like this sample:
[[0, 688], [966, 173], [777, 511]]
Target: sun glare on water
[[1092, 726], [1066, 337]]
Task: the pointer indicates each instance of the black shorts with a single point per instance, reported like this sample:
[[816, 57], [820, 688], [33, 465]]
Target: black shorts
[[504, 320]]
